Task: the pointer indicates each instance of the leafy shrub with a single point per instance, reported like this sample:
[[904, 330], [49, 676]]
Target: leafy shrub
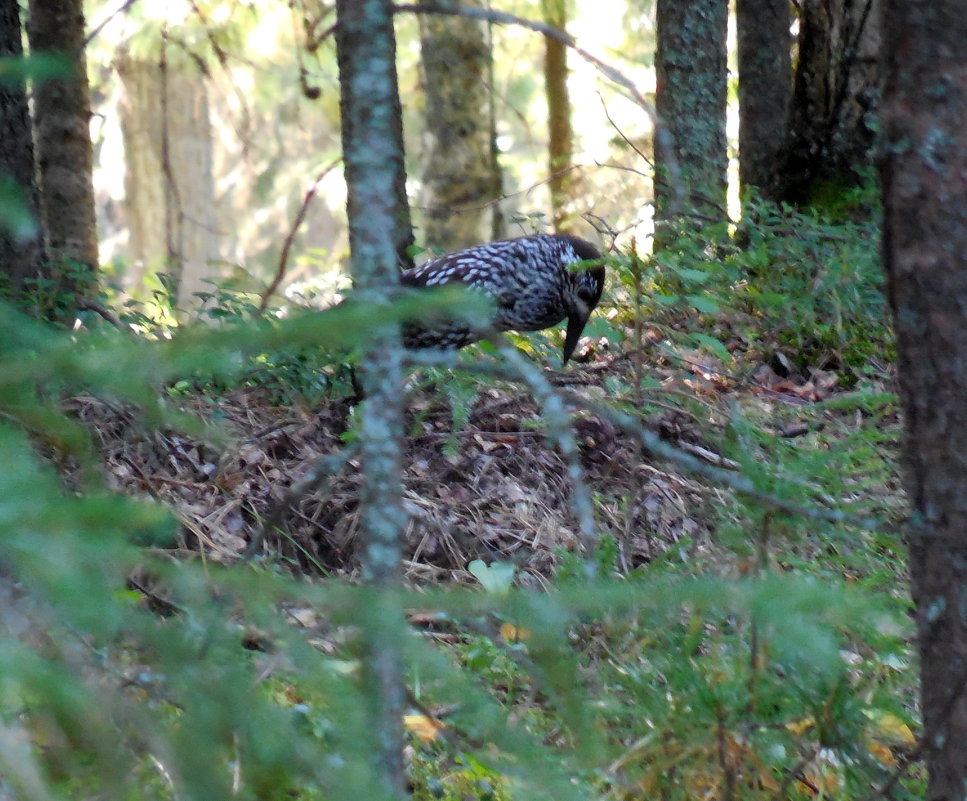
[[794, 281]]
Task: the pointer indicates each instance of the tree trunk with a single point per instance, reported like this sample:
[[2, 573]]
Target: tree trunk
[[461, 175], [351, 107], [560, 136], [145, 202], [62, 115], [765, 87], [924, 119], [691, 99], [21, 251], [837, 86], [372, 149], [169, 185]]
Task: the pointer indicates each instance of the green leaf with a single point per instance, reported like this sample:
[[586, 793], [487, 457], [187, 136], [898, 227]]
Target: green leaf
[[695, 276], [703, 303], [712, 345], [497, 577]]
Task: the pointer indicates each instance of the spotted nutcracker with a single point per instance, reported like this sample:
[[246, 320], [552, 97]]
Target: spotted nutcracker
[[535, 281]]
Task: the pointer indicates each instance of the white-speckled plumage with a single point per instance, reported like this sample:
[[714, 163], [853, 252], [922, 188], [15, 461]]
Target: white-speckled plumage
[[529, 279]]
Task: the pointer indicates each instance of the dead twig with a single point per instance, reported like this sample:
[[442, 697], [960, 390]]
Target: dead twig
[[100, 26], [100, 309], [287, 244], [557, 415]]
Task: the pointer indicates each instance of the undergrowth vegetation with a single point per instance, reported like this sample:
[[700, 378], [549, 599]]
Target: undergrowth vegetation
[[790, 282], [762, 653]]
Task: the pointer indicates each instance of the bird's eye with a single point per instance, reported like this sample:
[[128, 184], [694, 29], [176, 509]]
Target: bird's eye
[[586, 294]]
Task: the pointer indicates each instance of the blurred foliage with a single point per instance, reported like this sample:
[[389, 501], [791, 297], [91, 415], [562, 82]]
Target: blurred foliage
[[130, 673], [38, 67], [15, 215], [777, 665]]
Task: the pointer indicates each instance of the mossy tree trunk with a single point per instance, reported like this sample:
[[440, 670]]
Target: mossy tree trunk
[[62, 142], [924, 120], [838, 81], [765, 88], [353, 98], [21, 247], [461, 174], [372, 149], [560, 134], [691, 100]]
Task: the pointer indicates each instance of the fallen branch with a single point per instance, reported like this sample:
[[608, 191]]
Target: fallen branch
[[692, 464]]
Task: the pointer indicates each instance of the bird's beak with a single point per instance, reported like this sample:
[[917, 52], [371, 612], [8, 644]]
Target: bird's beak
[[575, 325]]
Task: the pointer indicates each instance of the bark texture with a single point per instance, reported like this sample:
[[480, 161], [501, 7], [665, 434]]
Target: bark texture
[[560, 135], [372, 150], [691, 99], [354, 95], [169, 184], [765, 87], [836, 92], [62, 139], [461, 175], [924, 117], [21, 251]]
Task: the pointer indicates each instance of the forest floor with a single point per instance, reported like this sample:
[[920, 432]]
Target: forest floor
[[809, 683], [735, 624], [283, 485]]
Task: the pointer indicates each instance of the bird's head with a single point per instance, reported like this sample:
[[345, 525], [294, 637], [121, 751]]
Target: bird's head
[[585, 285]]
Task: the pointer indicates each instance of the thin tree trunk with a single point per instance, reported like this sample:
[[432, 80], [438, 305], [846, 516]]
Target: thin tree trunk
[[21, 251], [560, 135], [62, 141], [765, 87], [372, 149], [461, 175], [838, 82], [350, 54], [691, 99], [924, 119]]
